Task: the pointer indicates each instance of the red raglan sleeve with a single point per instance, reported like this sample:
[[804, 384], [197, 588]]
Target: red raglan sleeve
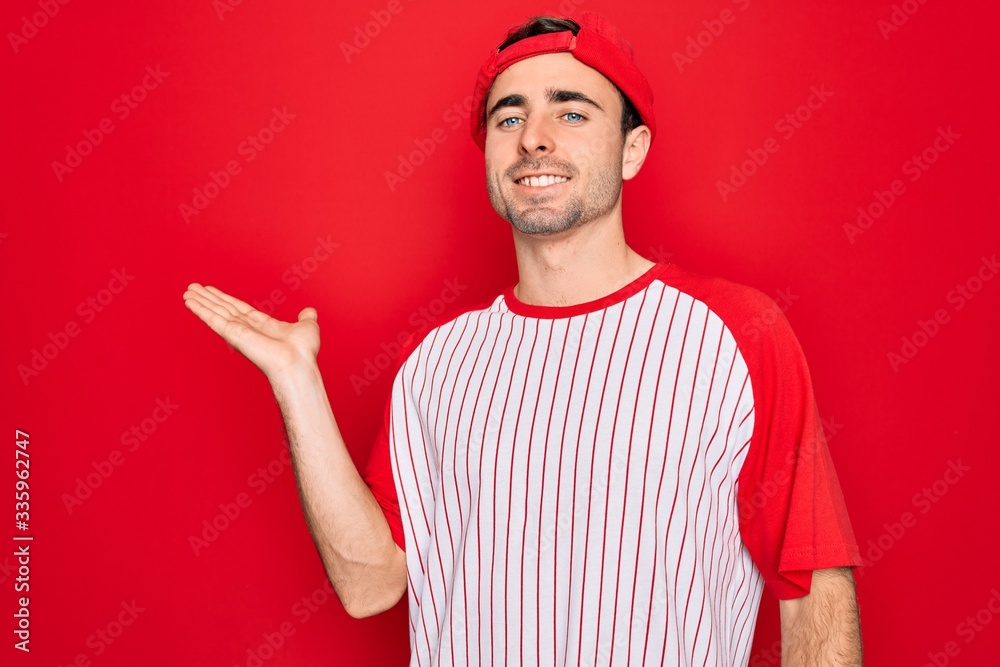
[[793, 518], [377, 474]]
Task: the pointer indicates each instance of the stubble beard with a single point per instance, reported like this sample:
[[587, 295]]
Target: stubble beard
[[538, 219]]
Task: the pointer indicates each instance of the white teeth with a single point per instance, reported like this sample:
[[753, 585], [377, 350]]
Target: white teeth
[[542, 181]]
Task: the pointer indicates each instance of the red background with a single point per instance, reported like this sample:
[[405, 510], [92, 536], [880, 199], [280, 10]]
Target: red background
[[896, 430]]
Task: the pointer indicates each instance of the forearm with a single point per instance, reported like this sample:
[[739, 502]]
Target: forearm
[[822, 629], [364, 564]]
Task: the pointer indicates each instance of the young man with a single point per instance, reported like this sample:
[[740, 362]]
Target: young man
[[604, 464]]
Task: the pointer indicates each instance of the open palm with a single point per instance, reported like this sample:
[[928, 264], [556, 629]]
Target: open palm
[[272, 345]]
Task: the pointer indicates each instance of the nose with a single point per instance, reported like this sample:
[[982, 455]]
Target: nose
[[536, 136]]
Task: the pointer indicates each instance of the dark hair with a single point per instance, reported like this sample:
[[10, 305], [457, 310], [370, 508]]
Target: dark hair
[[539, 25]]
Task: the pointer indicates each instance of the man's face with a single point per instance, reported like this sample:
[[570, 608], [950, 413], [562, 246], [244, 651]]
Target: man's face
[[556, 117]]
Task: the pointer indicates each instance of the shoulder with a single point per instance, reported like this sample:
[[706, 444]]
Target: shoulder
[[738, 305], [756, 321]]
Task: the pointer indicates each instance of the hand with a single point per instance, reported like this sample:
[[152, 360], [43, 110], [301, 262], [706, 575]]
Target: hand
[[272, 345]]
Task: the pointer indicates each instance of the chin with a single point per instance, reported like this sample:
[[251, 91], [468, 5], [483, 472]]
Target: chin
[[543, 227]]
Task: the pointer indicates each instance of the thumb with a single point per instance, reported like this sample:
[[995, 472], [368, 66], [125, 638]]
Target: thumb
[[308, 314]]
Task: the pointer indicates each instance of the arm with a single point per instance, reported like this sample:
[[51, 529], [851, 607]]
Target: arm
[[364, 564], [822, 629]]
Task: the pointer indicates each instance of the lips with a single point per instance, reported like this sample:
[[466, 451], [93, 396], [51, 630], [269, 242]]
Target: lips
[[541, 180]]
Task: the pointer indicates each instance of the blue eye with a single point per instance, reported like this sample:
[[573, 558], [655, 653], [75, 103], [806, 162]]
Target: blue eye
[[504, 123], [573, 113]]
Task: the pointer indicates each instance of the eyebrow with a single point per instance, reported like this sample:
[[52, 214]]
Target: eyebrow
[[553, 95]]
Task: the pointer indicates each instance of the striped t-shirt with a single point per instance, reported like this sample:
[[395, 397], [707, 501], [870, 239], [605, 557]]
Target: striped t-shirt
[[609, 483]]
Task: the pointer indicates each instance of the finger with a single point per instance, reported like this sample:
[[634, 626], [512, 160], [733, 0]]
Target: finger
[[210, 314], [200, 291], [308, 314], [219, 298], [209, 303], [240, 306], [200, 305], [193, 290], [238, 324]]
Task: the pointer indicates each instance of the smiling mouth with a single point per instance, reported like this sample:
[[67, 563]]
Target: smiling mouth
[[543, 181]]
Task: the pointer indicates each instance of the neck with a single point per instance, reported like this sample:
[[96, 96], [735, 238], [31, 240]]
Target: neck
[[576, 266]]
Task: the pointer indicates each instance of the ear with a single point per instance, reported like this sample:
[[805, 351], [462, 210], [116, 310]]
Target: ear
[[634, 151]]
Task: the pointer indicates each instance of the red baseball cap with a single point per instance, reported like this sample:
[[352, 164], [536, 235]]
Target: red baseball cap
[[598, 44]]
